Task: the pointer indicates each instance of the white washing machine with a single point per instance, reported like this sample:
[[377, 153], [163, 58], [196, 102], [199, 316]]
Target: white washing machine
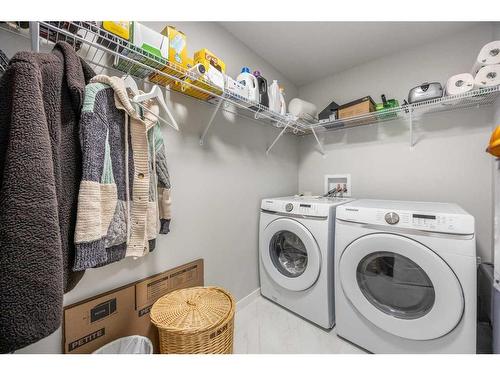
[[296, 243], [405, 277]]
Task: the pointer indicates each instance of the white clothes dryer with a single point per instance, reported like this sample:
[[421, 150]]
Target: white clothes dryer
[[296, 257], [405, 277]]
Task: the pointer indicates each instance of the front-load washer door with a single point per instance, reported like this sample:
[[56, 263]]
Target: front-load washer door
[[401, 286], [290, 254]]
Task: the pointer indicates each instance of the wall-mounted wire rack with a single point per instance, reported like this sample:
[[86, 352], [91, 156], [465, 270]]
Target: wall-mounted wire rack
[[410, 112], [106, 52]]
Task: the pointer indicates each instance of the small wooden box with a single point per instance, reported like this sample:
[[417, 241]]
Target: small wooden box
[[357, 107]]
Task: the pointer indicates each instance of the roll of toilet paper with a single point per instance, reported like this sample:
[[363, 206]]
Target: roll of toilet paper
[[488, 76], [303, 110], [197, 71], [489, 55], [459, 84]]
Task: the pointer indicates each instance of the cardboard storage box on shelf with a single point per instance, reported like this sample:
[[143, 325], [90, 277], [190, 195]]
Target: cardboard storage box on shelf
[[96, 321], [215, 69], [147, 47], [205, 54], [177, 57], [356, 107], [211, 80], [120, 28], [200, 82]]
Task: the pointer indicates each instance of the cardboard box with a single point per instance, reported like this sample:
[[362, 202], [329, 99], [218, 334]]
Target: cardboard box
[[190, 90], [215, 69], [177, 57], [96, 321], [177, 47], [147, 47], [356, 108], [120, 28], [205, 54], [150, 40]]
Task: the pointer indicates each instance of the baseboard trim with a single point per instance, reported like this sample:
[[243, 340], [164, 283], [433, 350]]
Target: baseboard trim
[[248, 299]]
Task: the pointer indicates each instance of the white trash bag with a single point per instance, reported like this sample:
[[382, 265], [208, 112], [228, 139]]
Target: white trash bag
[[127, 345]]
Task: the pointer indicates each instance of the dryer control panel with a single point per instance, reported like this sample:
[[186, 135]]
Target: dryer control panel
[[446, 222]]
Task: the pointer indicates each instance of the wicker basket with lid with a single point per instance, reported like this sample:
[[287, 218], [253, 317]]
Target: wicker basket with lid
[[195, 320]]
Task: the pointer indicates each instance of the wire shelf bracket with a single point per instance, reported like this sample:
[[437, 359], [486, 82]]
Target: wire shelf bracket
[[321, 150], [287, 124], [410, 123], [210, 121]]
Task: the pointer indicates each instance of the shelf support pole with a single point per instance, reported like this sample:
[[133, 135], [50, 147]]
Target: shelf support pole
[[35, 36], [411, 128], [212, 118], [278, 137], [321, 150]]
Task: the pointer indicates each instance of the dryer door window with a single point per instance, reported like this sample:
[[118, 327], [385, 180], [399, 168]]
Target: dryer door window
[[395, 285], [401, 286], [288, 253]]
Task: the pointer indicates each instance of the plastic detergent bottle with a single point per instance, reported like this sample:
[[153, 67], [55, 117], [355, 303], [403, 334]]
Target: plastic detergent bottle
[[262, 85], [274, 97], [282, 101], [248, 79]]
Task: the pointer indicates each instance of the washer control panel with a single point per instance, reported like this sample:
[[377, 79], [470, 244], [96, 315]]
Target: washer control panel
[[314, 207], [296, 208]]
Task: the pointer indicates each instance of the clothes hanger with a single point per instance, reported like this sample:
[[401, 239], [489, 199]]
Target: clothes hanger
[[157, 94], [130, 83]]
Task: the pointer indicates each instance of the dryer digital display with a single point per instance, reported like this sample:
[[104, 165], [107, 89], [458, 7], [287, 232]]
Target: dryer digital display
[[428, 217]]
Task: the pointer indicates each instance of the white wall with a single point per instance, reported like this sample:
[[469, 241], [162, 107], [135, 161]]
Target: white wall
[[447, 164], [216, 188]]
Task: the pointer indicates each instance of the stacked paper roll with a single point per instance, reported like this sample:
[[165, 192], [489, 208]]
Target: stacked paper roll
[[488, 76], [197, 71], [489, 55], [303, 110], [459, 84]]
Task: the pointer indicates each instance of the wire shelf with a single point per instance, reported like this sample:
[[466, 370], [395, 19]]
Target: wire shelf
[[103, 50], [106, 52], [475, 98]]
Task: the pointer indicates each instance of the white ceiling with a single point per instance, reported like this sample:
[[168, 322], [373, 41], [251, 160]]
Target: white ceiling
[[307, 51]]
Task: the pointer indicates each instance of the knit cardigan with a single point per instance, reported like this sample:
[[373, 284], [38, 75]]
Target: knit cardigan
[[124, 199], [40, 168]]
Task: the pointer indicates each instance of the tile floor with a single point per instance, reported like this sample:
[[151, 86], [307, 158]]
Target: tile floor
[[263, 327]]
